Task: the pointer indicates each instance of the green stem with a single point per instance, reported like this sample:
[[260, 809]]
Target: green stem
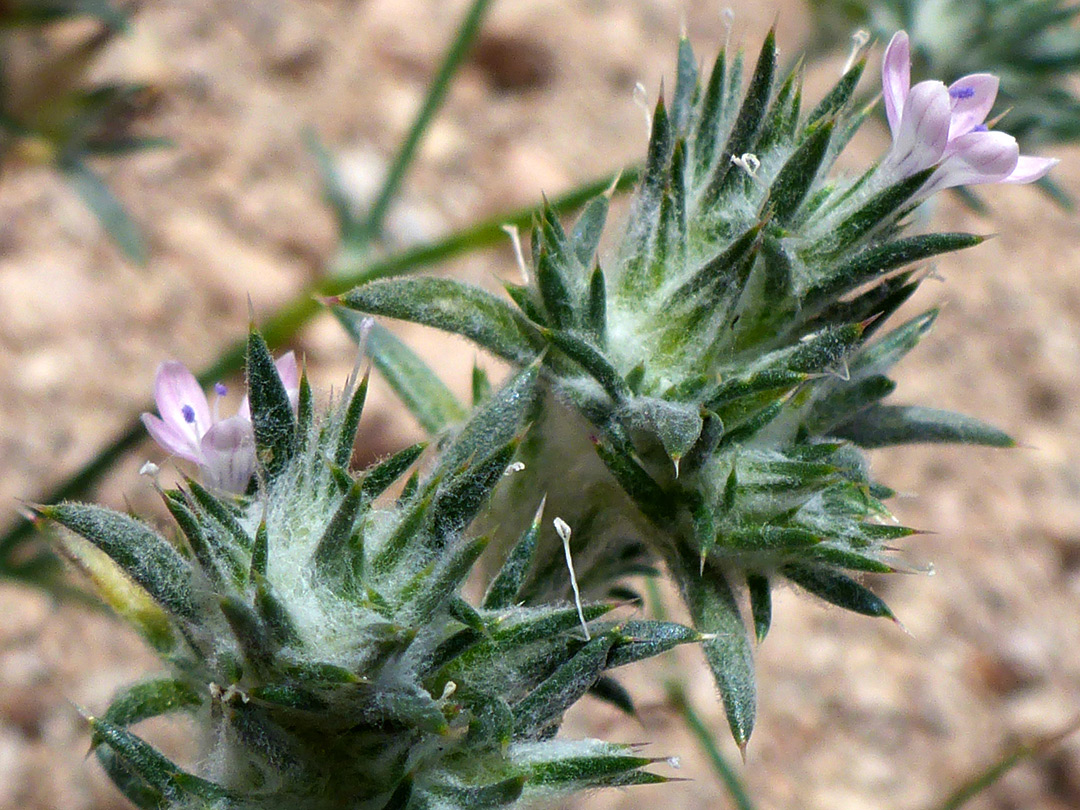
[[281, 326], [677, 696], [984, 779], [466, 34]]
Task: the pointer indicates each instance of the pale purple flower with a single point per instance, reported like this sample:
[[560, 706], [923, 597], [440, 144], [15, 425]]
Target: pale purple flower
[[935, 125], [188, 427]]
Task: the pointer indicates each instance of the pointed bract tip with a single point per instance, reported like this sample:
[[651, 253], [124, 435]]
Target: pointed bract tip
[[328, 300], [742, 749]]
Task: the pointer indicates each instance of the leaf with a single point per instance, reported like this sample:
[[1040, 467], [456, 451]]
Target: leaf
[[744, 132], [505, 587], [884, 425], [875, 212], [873, 262], [638, 640], [151, 698], [837, 589], [563, 688], [108, 210], [496, 795], [585, 237], [451, 306], [590, 359], [797, 176], [712, 606], [686, 84], [838, 97], [143, 554], [415, 384], [271, 412], [332, 558], [379, 477], [350, 421], [614, 693], [760, 604]]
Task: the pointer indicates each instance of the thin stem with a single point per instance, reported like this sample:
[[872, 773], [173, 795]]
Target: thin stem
[[1009, 760], [466, 34], [677, 695], [283, 325]]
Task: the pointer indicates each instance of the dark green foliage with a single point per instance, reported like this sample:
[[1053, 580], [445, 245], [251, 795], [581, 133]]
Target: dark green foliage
[[324, 642]]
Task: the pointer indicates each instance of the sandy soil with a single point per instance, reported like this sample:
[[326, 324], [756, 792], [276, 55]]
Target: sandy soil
[[854, 714]]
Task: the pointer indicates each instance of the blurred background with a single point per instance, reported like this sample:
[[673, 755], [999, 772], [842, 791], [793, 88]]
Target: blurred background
[[853, 713]]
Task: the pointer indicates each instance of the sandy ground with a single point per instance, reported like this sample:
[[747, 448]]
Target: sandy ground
[[854, 713]]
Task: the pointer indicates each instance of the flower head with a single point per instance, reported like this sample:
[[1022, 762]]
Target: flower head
[[190, 428], [933, 124]]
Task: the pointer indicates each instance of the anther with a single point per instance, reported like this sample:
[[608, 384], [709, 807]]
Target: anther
[[562, 528], [960, 93], [189, 414], [221, 389]]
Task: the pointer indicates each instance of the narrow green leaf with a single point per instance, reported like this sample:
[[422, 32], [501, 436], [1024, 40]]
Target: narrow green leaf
[[795, 179], [838, 590], [151, 698], [481, 386], [482, 797], [714, 610], [349, 423], [838, 97], [686, 85], [108, 210], [450, 306], [884, 425], [216, 561], [614, 693], [638, 640], [379, 477], [505, 587], [271, 412], [445, 580], [461, 498], [591, 360], [875, 212], [332, 559], [760, 604], [555, 291], [711, 111], [221, 514], [596, 307], [251, 633], [585, 237], [873, 262], [751, 114], [143, 554], [416, 385], [563, 688]]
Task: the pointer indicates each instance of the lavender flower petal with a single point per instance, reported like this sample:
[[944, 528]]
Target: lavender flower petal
[[1029, 169], [228, 450], [896, 78], [174, 388], [972, 99], [978, 157], [171, 438], [924, 130]]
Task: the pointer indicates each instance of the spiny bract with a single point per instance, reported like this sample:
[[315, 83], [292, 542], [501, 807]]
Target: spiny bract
[[321, 642], [728, 362]]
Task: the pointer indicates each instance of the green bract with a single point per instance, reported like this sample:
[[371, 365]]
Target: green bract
[[708, 386], [318, 636]]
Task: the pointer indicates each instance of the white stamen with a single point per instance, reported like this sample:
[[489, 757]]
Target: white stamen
[[366, 325], [844, 373], [517, 466], [674, 762], [858, 42], [748, 162], [727, 17], [641, 99], [515, 239], [448, 690], [563, 530], [150, 469]]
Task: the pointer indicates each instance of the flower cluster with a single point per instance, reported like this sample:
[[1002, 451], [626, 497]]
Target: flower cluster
[[189, 427], [935, 125]]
